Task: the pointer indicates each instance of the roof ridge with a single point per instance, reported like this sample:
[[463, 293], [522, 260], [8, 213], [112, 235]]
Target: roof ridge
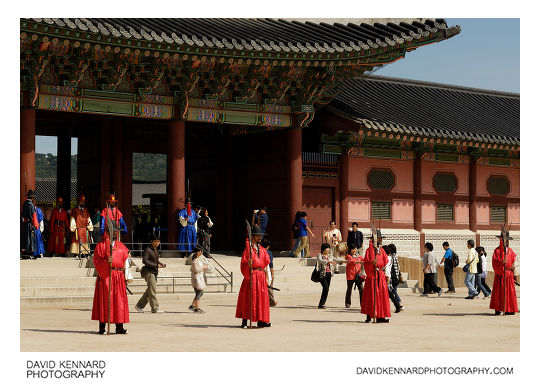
[[424, 83]]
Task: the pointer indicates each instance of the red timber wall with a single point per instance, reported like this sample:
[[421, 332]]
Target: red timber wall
[[402, 229]]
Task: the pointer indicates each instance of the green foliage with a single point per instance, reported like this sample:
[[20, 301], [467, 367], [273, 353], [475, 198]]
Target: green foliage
[[149, 167], [146, 167], [46, 166]]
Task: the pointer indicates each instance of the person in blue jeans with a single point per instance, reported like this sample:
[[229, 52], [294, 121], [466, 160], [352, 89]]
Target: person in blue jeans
[[448, 267], [303, 230], [470, 277], [295, 236]]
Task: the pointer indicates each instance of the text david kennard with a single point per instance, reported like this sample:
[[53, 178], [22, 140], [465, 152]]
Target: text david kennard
[[65, 369]]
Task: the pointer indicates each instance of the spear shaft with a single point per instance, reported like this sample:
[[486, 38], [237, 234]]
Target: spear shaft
[[250, 277]]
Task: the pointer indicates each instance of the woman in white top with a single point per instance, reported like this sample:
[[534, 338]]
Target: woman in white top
[[198, 267]]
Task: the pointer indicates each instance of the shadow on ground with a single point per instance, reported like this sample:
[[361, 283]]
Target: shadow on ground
[[62, 331]]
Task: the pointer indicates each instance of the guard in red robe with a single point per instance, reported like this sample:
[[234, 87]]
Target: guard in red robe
[[58, 229], [375, 276], [504, 271], [119, 300], [112, 212], [260, 303], [80, 226]]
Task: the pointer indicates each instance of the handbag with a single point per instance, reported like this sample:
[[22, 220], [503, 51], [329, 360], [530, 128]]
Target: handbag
[[315, 275]]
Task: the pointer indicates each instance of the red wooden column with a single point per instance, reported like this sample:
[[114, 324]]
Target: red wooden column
[[117, 159], [105, 160], [472, 194], [63, 180], [294, 160], [417, 192], [344, 192], [176, 165], [127, 180], [28, 150]]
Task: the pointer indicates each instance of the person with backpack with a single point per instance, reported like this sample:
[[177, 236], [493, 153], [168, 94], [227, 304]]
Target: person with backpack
[[481, 268], [449, 260]]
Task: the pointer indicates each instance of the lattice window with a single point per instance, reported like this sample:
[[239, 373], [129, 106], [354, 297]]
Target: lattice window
[[380, 210], [381, 179], [445, 213], [498, 185], [497, 214], [444, 182]]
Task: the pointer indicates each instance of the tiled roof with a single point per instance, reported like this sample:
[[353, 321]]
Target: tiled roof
[[275, 35], [46, 190], [430, 109]]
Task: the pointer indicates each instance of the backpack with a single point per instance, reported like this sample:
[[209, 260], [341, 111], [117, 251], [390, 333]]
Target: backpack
[[455, 259]]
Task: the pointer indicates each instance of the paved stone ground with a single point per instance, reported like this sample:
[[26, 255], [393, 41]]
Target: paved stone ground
[[296, 326]]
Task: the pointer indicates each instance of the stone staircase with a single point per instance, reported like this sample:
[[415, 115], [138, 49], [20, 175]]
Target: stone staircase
[[68, 280]]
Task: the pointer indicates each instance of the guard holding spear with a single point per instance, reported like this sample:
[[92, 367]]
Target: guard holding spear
[[375, 303], [503, 295], [253, 303], [110, 297]]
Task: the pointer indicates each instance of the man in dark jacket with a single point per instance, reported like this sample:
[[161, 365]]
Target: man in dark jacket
[[29, 224], [149, 272], [355, 237]]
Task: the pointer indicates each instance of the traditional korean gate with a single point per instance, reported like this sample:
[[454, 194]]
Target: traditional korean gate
[[318, 203]]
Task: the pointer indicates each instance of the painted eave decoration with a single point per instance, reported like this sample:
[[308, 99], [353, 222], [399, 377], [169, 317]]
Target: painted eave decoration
[[271, 63]]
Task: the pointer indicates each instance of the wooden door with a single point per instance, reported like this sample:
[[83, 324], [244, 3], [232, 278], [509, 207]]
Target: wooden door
[[318, 203]]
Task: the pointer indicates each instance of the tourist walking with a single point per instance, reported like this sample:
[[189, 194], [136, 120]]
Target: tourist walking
[[29, 224], [481, 268], [375, 287], [448, 262], [256, 257], [355, 237], [119, 310], [353, 274], [325, 261], [303, 230], [198, 267], [393, 274], [471, 265], [429, 265], [503, 296], [149, 272], [483, 258], [295, 236]]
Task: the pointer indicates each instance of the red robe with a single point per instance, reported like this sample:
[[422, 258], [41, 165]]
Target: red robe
[[382, 301], [119, 300], [261, 305], [81, 221], [497, 301], [58, 233]]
